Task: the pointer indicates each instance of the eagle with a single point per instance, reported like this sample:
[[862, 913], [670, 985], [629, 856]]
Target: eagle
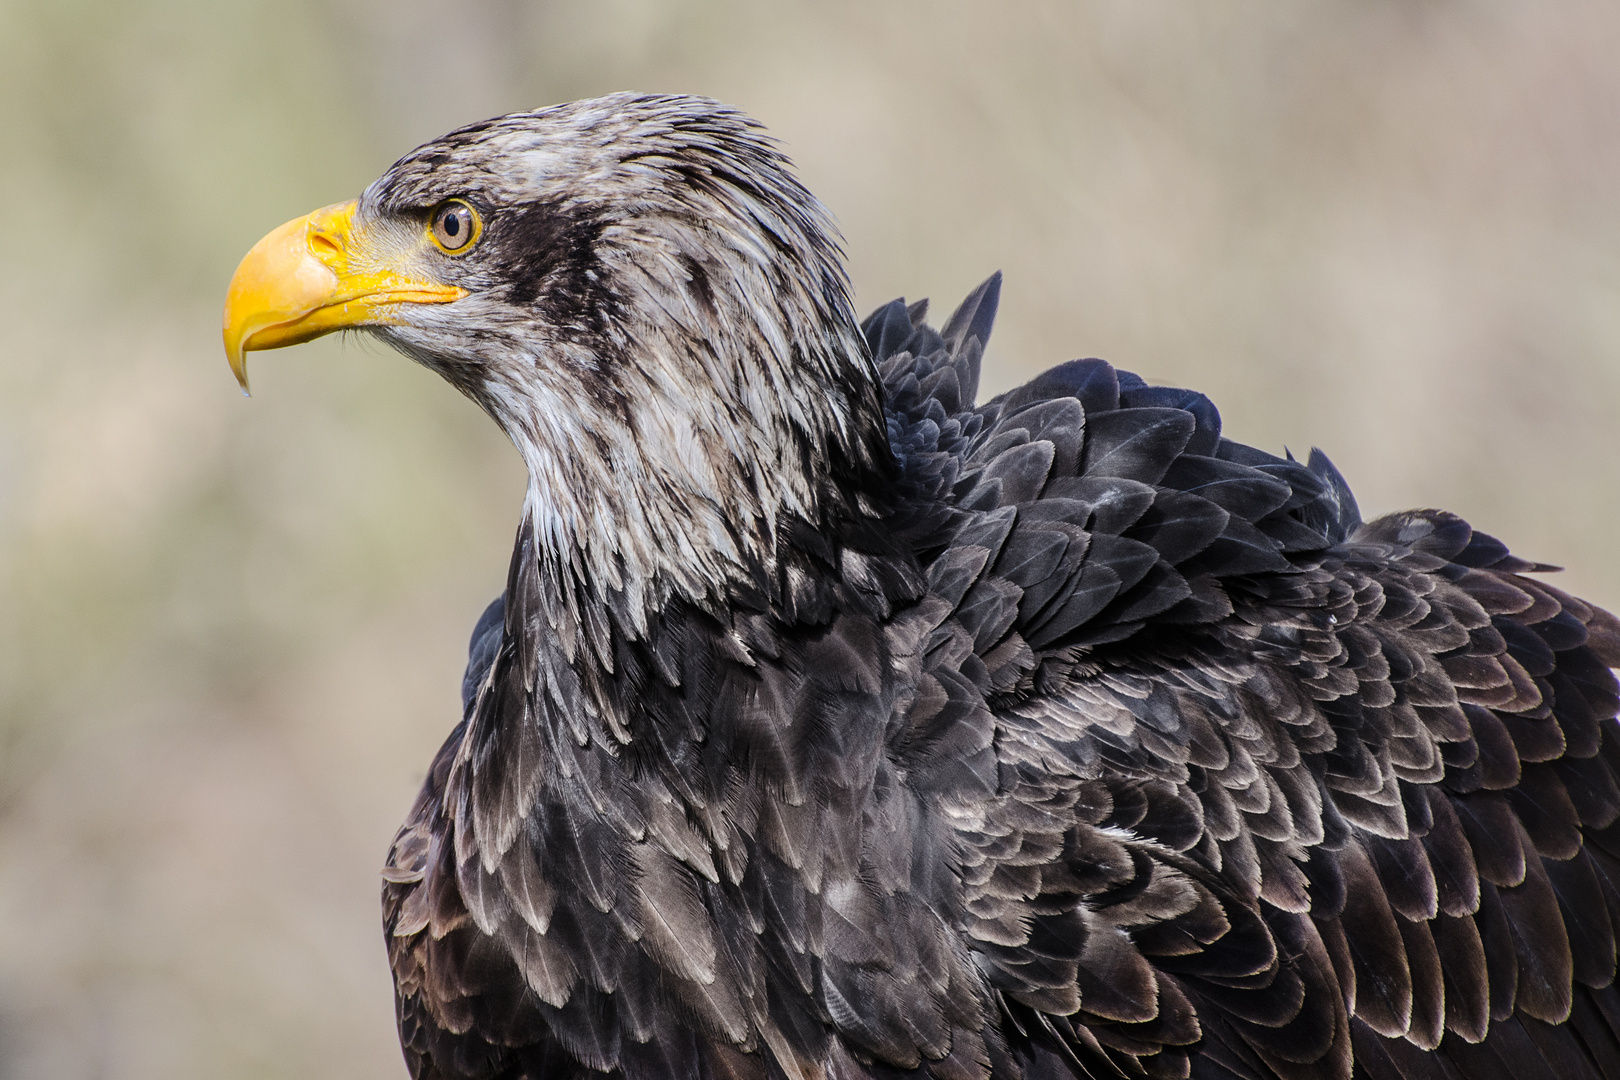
[[834, 724]]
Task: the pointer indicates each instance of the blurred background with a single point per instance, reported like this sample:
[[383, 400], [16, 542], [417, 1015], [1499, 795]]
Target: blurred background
[[231, 631]]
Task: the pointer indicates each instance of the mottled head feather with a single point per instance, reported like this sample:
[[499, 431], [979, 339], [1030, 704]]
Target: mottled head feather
[[659, 318]]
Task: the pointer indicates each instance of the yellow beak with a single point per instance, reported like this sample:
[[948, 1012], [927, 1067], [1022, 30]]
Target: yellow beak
[[317, 274]]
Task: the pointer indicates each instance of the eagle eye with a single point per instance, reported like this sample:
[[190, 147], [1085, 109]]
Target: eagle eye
[[454, 226]]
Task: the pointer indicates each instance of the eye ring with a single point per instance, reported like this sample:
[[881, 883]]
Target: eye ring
[[454, 226]]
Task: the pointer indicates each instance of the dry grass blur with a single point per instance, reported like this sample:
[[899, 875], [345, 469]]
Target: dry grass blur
[[231, 631]]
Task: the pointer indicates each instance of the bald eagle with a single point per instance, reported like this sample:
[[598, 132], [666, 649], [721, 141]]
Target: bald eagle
[[836, 725]]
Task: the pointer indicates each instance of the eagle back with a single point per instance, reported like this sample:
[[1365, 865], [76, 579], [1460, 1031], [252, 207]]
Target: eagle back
[[1269, 777]]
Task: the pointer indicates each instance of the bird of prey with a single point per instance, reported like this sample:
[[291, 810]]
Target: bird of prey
[[834, 724]]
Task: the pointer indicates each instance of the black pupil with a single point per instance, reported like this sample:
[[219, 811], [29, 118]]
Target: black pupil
[[452, 224]]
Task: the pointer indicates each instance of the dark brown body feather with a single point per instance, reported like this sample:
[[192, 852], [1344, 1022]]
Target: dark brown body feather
[[1098, 745]]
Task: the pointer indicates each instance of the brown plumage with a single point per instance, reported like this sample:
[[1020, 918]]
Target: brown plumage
[[833, 724]]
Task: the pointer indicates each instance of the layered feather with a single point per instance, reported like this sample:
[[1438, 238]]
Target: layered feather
[[1118, 748], [833, 724]]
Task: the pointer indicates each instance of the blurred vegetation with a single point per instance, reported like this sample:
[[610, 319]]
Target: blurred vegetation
[[231, 631]]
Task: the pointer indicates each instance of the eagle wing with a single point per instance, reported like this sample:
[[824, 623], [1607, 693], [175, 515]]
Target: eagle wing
[[1271, 778]]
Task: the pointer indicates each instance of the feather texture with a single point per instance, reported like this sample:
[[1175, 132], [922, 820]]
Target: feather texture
[[861, 729]]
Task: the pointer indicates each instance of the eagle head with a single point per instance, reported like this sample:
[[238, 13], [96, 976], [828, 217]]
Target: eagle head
[[643, 296]]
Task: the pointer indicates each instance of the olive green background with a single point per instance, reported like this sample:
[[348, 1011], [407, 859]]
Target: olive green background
[[231, 630]]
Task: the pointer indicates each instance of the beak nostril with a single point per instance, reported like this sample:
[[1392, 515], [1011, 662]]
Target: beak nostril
[[321, 245]]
